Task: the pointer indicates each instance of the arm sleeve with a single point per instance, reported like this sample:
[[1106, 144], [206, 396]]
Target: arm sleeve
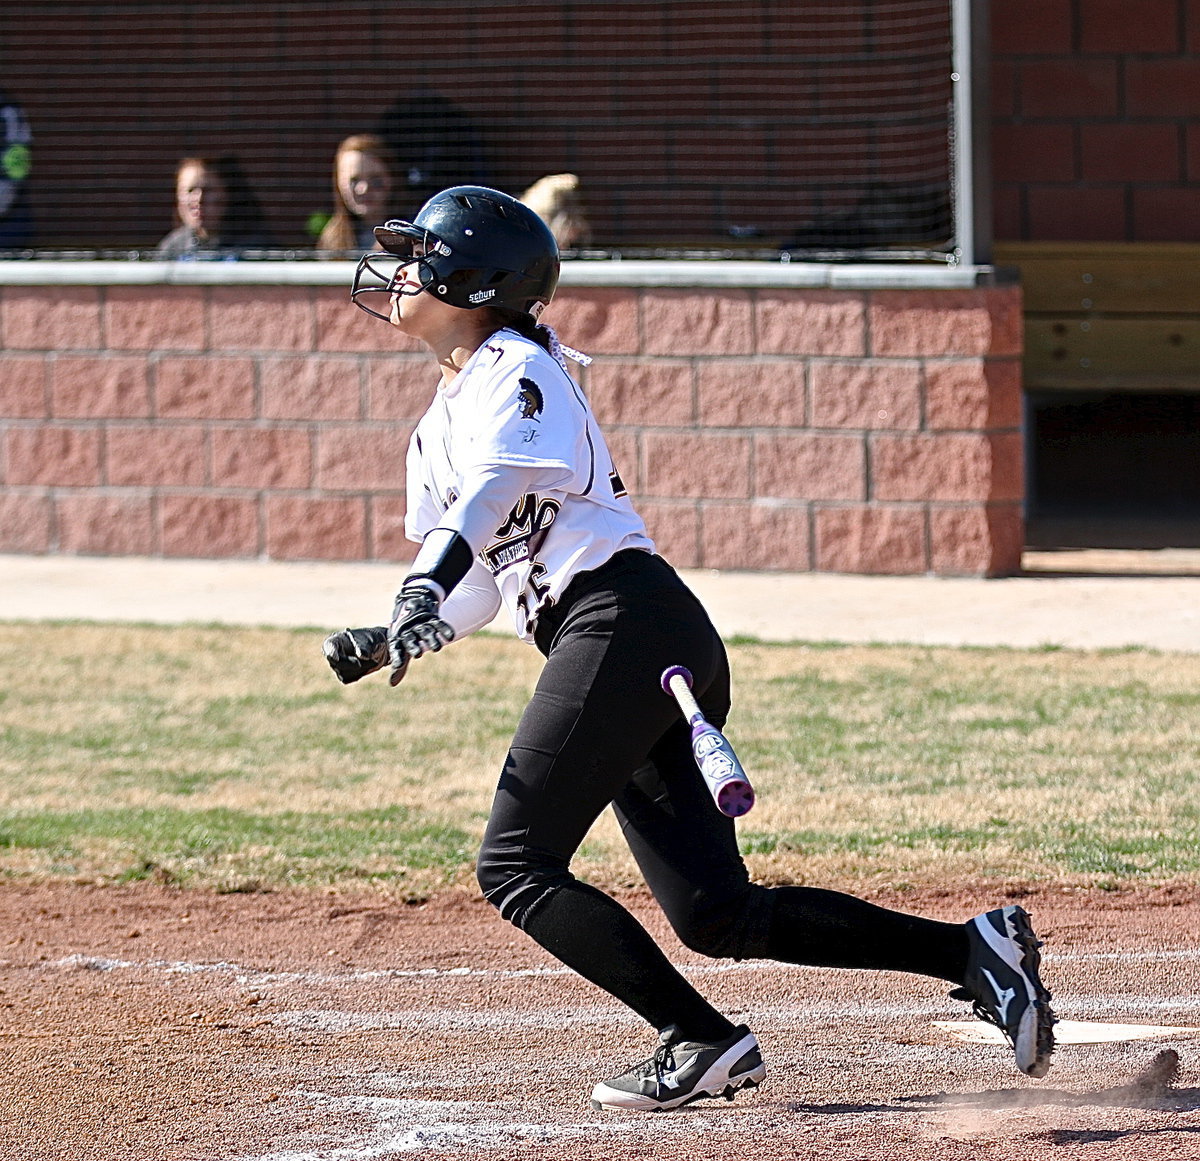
[[474, 602]]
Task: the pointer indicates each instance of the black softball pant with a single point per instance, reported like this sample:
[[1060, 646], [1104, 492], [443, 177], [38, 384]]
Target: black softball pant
[[600, 730]]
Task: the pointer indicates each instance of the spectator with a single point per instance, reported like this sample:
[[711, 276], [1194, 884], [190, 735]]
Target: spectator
[[435, 145], [555, 198], [362, 189], [215, 210], [16, 219]]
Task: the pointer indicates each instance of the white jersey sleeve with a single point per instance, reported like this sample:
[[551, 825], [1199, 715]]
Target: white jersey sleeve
[[422, 510]]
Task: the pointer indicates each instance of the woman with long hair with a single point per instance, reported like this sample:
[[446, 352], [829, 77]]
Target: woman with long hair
[[362, 186], [215, 209]]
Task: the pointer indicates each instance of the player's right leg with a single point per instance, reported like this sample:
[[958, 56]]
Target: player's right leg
[[1004, 983]]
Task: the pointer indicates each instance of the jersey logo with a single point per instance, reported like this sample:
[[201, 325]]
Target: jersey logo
[[531, 399], [522, 533]]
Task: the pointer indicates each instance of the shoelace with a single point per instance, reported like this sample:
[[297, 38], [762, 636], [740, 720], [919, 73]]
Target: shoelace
[[662, 1061], [982, 1013]]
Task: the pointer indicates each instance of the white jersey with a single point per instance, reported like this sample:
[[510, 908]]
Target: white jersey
[[510, 456]]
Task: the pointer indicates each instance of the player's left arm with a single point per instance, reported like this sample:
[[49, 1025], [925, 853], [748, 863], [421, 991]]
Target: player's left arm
[[474, 602], [448, 555]]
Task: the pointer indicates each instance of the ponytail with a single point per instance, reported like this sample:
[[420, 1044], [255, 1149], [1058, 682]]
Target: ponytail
[[529, 328], [526, 326]]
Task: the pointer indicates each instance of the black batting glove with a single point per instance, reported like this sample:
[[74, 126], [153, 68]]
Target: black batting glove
[[417, 626], [354, 653]]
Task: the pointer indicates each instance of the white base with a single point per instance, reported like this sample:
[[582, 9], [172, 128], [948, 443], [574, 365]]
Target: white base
[[1065, 1032]]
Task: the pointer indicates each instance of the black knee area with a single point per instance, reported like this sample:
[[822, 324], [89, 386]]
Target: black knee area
[[516, 883], [732, 926]]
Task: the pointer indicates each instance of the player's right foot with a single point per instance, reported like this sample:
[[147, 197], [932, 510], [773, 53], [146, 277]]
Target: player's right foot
[[1003, 982], [682, 1071]]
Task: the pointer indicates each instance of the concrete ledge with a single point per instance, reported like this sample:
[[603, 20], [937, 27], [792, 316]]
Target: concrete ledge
[[575, 272]]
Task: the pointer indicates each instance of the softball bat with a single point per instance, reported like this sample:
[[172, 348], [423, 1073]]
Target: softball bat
[[731, 789]]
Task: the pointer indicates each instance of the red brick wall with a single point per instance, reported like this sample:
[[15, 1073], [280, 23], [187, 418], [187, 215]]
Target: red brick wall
[[1096, 120], [851, 431]]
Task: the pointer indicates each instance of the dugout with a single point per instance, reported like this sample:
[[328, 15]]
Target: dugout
[[1111, 374]]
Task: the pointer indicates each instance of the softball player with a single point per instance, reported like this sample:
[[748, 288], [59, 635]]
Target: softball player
[[515, 501]]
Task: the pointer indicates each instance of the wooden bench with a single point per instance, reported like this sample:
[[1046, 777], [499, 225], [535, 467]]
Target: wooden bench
[[1109, 316]]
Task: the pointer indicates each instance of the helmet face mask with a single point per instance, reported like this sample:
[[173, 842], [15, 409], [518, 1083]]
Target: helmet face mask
[[473, 247], [382, 273]]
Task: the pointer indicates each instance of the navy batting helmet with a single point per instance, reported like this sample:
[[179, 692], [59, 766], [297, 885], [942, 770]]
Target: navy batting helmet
[[473, 247]]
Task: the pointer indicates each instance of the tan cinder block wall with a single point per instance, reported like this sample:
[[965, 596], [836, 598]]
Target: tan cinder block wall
[[862, 431]]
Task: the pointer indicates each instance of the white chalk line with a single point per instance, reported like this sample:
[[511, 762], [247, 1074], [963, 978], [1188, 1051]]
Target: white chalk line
[[338, 1022], [320, 1021], [248, 976], [799, 1014], [404, 1125], [1150, 956], [1066, 1004], [1094, 1005]]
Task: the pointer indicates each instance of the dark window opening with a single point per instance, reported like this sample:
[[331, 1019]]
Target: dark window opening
[[1113, 470]]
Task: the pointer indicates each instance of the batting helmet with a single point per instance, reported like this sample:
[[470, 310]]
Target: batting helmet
[[473, 247]]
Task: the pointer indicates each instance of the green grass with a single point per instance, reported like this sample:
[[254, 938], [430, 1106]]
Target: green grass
[[173, 845], [230, 759]]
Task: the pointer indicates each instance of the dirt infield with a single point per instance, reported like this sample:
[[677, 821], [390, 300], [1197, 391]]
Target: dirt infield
[[147, 1024]]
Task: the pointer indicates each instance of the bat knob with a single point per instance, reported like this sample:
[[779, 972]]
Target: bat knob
[[675, 671], [735, 798]]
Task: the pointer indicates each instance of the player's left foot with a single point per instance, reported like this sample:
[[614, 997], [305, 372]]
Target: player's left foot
[[1003, 983], [682, 1071]]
